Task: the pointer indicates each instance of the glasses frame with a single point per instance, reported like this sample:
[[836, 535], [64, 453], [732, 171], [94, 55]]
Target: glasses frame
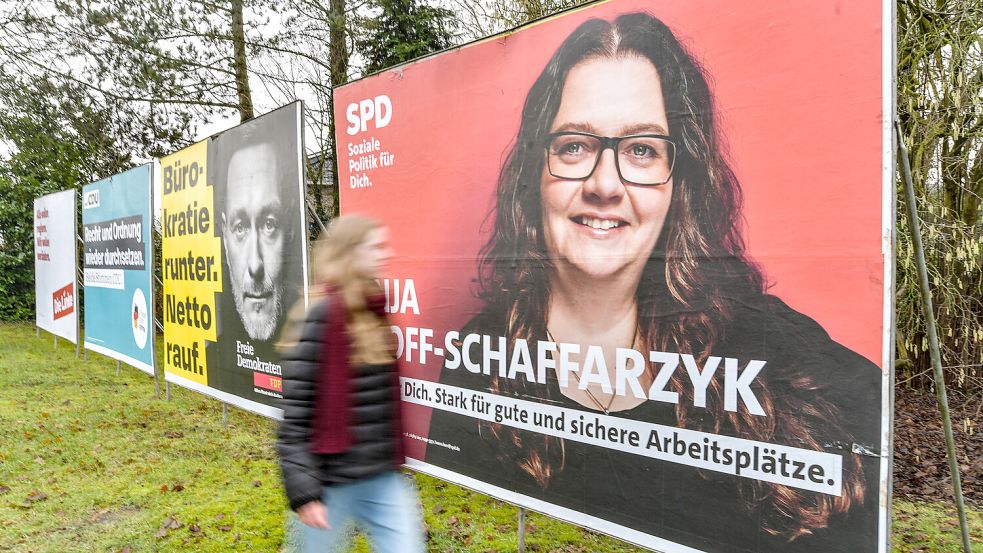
[[611, 142]]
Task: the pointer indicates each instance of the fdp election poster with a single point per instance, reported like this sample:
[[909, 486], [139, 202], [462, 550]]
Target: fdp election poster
[[117, 267], [55, 262], [644, 266], [234, 258]]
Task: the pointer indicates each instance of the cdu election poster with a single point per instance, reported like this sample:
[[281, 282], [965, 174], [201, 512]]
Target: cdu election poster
[[234, 257], [55, 262], [117, 267], [645, 267]]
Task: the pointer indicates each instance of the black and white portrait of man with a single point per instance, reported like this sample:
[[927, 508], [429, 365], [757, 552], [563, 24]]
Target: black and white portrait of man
[[255, 171], [255, 232]]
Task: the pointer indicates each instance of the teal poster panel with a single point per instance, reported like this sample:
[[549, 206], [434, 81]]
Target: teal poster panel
[[117, 263]]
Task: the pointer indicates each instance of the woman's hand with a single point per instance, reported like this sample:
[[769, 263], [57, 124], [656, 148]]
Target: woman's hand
[[314, 514]]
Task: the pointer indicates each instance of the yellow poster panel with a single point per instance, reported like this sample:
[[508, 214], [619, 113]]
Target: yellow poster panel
[[191, 262]]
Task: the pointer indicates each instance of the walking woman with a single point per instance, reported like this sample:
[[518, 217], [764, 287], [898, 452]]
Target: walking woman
[[340, 442]]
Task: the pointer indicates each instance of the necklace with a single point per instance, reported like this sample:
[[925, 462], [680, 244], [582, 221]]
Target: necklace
[[593, 398]]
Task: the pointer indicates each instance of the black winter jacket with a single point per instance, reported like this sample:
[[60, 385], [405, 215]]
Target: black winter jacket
[[373, 433]]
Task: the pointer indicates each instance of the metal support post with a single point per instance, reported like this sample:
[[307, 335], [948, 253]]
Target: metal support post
[[933, 338], [522, 530], [225, 415], [117, 368], [167, 390], [317, 218]]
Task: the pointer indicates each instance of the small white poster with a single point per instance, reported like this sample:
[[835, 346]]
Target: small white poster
[[55, 262]]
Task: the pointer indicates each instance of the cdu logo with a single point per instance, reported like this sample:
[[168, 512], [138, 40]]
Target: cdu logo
[[90, 199]]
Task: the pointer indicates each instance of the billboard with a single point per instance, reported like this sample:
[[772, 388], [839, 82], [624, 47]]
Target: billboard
[[234, 257], [55, 262], [117, 267], [644, 267]]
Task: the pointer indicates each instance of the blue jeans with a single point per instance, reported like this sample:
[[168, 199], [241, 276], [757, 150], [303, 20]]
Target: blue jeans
[[384, 506]]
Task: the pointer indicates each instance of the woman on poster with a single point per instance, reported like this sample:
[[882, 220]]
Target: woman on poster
[[617, 224]]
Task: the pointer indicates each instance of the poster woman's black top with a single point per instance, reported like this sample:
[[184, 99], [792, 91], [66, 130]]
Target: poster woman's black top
[[700, 509]]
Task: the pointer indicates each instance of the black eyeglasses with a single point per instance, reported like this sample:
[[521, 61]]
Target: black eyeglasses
[[641, 159]]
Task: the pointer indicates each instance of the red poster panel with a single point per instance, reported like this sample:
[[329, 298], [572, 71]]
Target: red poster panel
[[643, 279]]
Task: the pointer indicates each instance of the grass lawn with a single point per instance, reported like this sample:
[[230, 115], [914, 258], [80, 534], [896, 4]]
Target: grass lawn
[[94, 462]]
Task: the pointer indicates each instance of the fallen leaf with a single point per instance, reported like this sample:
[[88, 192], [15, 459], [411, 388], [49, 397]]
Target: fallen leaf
[[220, 516], [36, 495], [257, 483], [163, 489], [225, 528], [177, 487]]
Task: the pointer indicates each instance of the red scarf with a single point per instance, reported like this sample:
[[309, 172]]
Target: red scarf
[[333, 417]]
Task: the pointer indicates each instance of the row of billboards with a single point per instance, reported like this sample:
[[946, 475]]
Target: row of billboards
[[644, 274], [233, 259]]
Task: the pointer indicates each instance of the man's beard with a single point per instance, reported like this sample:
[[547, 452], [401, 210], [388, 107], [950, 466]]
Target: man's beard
[[259, 328]]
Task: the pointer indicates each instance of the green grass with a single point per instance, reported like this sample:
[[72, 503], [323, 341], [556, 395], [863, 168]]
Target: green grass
[[94, 462]]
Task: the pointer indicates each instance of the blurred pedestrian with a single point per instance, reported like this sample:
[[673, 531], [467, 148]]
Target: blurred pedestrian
[[341, 439]]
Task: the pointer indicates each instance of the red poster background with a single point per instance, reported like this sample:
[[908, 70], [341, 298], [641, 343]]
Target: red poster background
[[798, 90]]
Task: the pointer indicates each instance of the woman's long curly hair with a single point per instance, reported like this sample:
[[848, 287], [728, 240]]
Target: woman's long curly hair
[[688, 289]]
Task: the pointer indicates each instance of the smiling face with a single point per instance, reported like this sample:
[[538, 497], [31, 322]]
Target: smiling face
[[253, 236], [601, 226]]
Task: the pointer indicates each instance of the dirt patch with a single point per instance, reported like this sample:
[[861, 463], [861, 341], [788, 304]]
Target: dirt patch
[[921, 471]]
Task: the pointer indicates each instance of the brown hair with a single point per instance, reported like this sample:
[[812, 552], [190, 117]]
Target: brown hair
[[693, 279], [332, 265]]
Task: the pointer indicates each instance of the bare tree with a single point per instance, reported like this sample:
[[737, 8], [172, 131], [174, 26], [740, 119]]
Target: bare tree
[[940, 100]]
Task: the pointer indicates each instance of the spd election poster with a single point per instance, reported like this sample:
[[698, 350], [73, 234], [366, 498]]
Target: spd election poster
[[55, 262], [644, 273], [117, 267], [234, 258]]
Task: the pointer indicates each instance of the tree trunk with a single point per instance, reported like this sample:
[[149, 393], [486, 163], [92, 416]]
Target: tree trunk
[[239, 63], [338, 62]]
